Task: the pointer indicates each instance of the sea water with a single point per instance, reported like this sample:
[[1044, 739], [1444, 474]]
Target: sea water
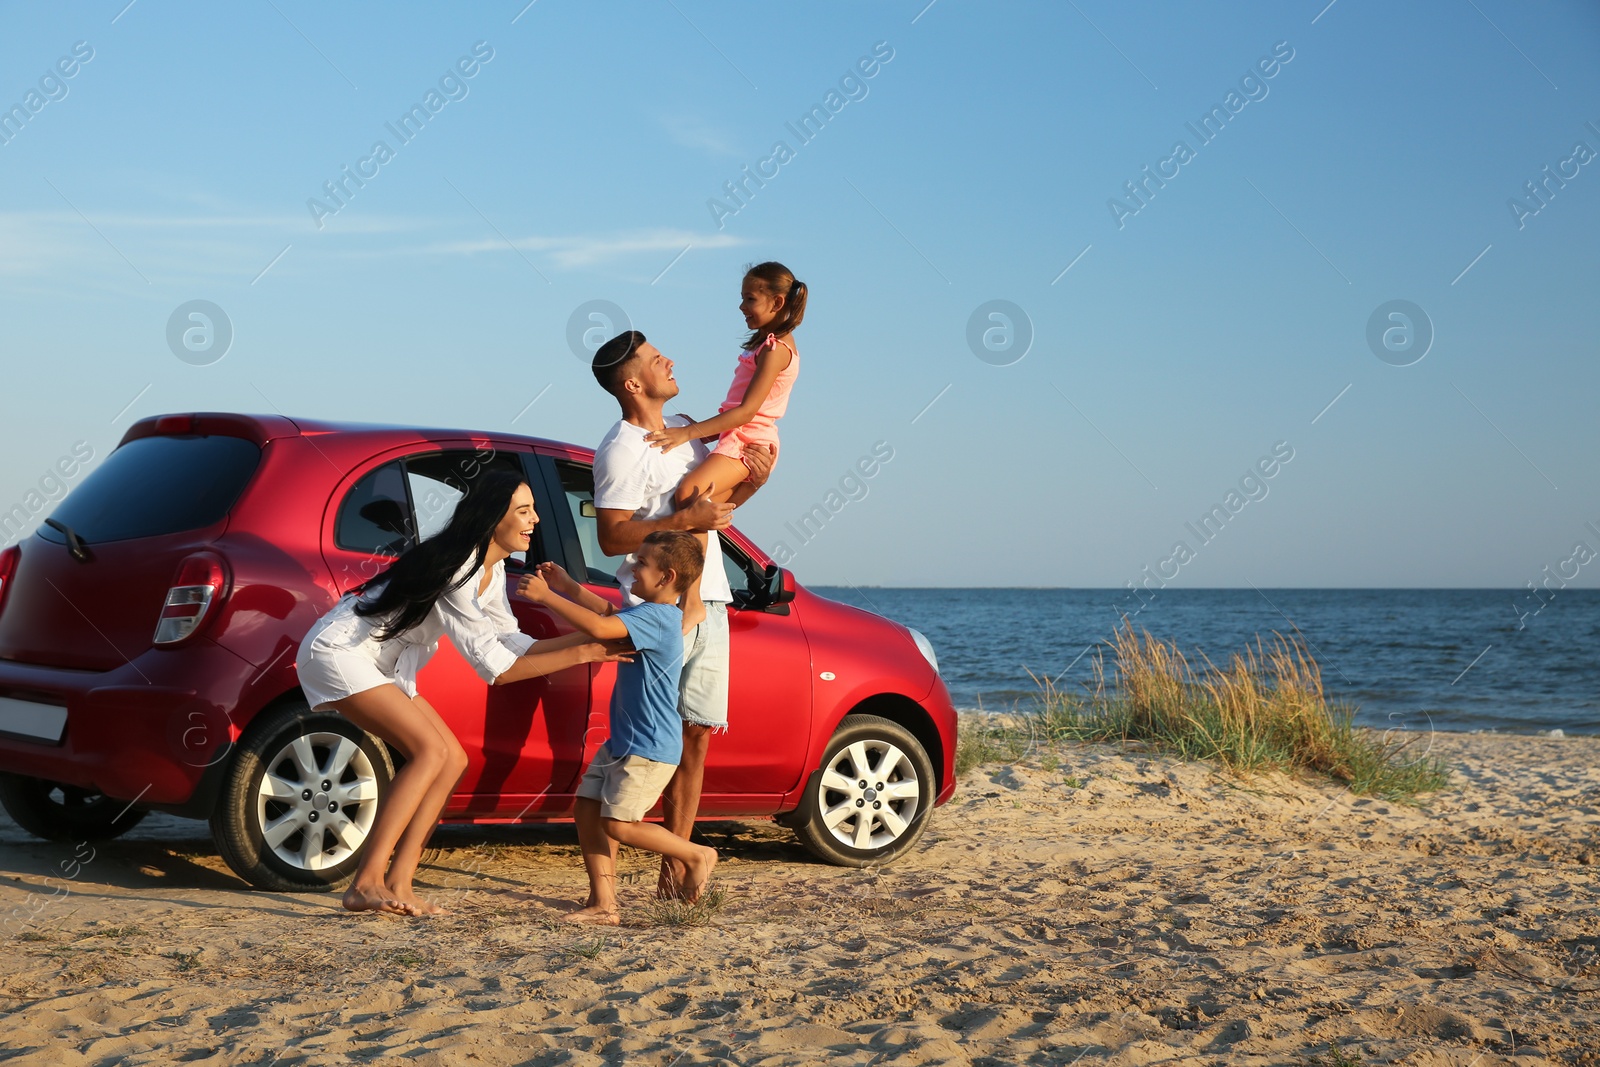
[[1449, 659]]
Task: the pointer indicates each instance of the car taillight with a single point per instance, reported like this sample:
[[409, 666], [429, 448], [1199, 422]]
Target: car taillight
[[8, 570], [197, 588]]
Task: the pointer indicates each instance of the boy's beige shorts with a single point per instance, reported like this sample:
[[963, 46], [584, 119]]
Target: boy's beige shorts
[[626, 788]]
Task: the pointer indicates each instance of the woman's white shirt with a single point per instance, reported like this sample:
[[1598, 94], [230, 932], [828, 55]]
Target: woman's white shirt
[[482, 628]]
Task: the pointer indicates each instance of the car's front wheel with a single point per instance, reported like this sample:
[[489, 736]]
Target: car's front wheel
[[873, 797], [300, 797], [59, 812]]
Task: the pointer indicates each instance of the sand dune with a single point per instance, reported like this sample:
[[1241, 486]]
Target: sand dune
[[1092, 905]]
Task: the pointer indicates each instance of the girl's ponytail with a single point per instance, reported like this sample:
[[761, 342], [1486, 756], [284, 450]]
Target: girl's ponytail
[[780, 281]]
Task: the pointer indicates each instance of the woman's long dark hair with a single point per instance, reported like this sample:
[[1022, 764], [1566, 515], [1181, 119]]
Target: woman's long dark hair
[[424, 572]]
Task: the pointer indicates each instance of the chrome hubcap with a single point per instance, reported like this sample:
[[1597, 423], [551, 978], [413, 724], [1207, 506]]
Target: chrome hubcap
[[869, 794], [317, 801]]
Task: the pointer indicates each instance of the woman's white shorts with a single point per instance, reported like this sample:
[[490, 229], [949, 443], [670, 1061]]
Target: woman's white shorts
[[339, 657]]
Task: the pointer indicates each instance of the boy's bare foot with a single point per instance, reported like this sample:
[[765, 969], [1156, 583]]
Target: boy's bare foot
[[669, 884], [375, 898], [407, 896], [694, 885], [593, 915]]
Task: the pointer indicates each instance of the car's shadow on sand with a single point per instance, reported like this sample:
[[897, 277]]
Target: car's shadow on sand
[[746, 841], [47, 875], [169, 859]]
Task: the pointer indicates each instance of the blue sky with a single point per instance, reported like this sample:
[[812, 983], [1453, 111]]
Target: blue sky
[[978, 163]]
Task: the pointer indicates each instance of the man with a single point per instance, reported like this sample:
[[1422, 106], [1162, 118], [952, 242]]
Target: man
[[634, 485]]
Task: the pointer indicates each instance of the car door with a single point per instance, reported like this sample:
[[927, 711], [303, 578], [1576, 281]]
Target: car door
[[524, 741], [762, 753]]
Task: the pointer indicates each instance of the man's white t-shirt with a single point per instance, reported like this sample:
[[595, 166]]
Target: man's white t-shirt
[[632, 475]]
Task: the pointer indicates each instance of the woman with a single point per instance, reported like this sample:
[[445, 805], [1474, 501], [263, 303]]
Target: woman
[[362, 658]]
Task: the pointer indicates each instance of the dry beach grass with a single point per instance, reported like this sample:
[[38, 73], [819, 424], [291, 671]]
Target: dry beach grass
[[1265, 710], [1091, 903]]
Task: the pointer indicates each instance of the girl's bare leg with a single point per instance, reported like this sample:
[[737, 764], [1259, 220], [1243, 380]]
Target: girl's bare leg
[[408, 851], [386, 712], [724, 474]]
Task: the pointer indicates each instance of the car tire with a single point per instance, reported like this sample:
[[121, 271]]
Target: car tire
[[848, 824], [59, 812], [298, 799]]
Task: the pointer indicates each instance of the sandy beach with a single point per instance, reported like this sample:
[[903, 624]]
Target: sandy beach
[[1092, 904]]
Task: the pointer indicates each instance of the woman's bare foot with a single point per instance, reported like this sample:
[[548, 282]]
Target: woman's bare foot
[[407, 896], [593, 915], [375, 898], [694, 885]]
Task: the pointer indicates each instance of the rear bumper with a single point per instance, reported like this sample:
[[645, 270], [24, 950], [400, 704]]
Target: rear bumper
[[146, 732]]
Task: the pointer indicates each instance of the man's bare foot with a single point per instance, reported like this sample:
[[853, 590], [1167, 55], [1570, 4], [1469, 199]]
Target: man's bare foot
[[375, 898], [694, 885], [407, 896], [593, 915]]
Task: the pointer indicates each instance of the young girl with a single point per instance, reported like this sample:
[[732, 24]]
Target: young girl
[[362, 658], [773, 303]]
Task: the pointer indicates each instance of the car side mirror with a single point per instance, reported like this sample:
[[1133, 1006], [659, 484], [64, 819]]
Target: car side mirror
[[587, 510], [780, 585]]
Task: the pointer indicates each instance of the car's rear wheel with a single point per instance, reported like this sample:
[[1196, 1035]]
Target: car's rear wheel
[[300, 797], [59, 812], [873, 797]]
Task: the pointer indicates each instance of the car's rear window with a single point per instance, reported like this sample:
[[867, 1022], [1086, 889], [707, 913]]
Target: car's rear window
[[157, 485]]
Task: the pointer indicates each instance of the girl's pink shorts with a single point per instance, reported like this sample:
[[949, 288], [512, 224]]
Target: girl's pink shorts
[[732, 443]]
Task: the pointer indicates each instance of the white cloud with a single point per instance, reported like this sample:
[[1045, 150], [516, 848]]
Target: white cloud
[[584, 250], [35, 244], [692, 131], [61, 251]]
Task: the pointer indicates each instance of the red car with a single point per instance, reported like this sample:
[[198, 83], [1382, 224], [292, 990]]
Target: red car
[[148, 633]]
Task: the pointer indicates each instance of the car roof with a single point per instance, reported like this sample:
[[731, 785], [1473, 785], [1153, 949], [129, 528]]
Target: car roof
[[370, 436], [263, 428]]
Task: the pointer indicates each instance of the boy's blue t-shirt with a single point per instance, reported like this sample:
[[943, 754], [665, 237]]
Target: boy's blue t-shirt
[[644, 703]]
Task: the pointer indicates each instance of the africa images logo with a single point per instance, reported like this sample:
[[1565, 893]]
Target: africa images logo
[[452, 86], [1253, 87], [852, 86]]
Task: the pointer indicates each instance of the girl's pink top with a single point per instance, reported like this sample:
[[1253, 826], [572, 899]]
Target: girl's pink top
[[777, 401]]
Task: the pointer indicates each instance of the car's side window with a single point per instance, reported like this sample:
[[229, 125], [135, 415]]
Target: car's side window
[[398, 504], [439, 480], [745, 579], [577, 486], [376, 516], [435, 502]]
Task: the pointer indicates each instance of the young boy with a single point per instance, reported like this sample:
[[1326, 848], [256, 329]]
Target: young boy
[[628, 773]]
